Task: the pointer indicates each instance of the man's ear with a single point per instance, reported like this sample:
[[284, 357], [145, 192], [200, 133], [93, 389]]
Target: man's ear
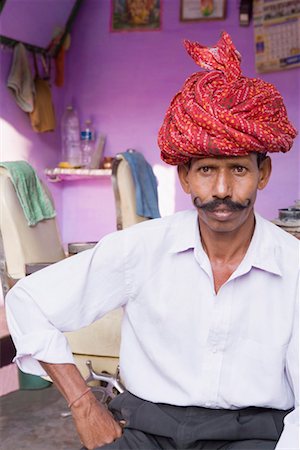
[[265, 171], [183, 171]]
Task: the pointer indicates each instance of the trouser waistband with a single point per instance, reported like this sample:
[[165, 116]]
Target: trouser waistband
[[186, 425]]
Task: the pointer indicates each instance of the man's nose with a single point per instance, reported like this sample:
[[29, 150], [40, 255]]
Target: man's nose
[[223, 185]]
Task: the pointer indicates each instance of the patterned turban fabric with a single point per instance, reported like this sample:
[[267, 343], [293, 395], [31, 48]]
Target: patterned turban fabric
[[220, 112]]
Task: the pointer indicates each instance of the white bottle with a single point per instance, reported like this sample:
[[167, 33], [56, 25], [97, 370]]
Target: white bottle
[[70, 133], [87, 137]]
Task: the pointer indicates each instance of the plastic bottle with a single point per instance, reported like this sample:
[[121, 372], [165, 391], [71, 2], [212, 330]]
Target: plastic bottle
[[70, 132], [87, 137]]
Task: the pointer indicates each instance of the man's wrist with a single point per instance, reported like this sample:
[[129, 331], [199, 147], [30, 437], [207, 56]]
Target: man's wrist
[[84, 403], [79, 396]]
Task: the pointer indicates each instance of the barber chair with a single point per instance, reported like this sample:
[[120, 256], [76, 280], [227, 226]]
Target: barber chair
[[124, 193], [23, 250]]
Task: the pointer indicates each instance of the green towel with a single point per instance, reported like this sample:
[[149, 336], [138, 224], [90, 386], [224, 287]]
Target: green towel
[[35, 202]]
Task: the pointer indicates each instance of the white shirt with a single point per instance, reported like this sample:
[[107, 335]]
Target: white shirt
[[182, 343]]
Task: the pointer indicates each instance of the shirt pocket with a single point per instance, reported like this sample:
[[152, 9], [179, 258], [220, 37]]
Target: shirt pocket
[[256, 372], [259, 353]]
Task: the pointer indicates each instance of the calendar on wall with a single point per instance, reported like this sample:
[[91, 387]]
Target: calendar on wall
[[276, 34]]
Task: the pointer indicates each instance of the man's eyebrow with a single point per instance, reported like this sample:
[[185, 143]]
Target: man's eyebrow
[[229, 161]]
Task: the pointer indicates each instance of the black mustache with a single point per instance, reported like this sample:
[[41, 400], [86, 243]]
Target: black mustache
[[214, 204]]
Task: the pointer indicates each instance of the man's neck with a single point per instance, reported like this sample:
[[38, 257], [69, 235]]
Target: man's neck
[[227, 247], [226, 250]]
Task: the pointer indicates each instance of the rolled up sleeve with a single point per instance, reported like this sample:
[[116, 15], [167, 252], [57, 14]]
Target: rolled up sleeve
[[65, 296]]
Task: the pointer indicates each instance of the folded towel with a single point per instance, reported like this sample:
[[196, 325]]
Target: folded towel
[[145, 185], [34, 201], [20, 81]]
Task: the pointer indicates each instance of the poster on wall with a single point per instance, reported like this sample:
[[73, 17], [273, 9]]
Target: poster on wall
[[276, 34], [202, 10], [135, 15]]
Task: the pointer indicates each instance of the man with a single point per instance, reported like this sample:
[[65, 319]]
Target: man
[[209, 335]]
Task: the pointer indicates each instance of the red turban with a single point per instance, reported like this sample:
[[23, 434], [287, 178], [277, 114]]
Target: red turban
[[221, 112]]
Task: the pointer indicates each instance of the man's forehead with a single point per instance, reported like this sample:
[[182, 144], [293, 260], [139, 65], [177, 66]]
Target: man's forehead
[[229, 158]]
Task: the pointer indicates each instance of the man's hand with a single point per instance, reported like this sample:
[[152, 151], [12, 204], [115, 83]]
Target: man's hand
[[95, 424]]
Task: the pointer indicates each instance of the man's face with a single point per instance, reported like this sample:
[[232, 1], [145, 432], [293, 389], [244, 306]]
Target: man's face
[[223, 189]]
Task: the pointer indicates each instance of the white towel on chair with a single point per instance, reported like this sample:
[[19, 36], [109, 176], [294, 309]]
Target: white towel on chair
[[20, 81]]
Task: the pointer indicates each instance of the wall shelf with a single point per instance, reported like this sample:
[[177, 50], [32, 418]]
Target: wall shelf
[[57, 174]]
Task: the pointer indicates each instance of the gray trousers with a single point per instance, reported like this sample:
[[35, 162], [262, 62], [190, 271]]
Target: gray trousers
[[160, 426]]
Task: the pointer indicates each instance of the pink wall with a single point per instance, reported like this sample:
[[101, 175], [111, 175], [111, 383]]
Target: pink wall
[[125, 81]]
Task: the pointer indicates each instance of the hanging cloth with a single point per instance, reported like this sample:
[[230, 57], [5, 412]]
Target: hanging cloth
[[43, 117], [20, 81], [145, 184]]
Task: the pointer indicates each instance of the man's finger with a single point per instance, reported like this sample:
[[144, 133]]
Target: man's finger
[[122, 423]]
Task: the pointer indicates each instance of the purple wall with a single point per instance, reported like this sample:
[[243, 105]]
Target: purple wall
[[124, 82]]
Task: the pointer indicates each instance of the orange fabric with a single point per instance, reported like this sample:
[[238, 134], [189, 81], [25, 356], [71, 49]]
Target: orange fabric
[[60, 67], [42, 118], [221, 112]]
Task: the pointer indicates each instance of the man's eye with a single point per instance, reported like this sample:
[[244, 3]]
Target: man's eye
[[204, 169], [239, 169]]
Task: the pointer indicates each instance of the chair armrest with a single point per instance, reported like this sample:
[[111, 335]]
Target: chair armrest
[[7, 282], [34, 267], [73, 248], [76, 247]]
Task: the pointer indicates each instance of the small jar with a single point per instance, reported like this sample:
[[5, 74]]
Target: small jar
[[107, 162]]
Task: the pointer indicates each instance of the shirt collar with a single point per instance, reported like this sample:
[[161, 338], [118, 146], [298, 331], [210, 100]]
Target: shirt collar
[[262, 252], [185, 232]]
